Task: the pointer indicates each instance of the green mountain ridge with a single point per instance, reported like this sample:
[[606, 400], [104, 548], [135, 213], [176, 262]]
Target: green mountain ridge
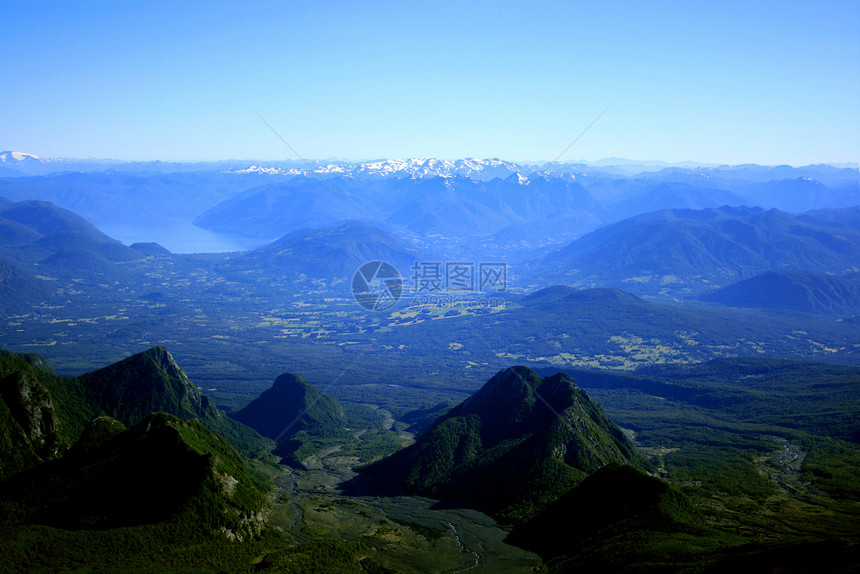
[[510, 448], [43, 414], [163, 495], [151, 381]]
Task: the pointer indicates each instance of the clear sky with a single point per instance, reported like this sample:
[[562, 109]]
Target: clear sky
[[726, 82]]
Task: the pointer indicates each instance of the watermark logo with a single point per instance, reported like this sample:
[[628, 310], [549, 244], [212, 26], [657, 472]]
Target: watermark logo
[[377, 286], [462, 276]]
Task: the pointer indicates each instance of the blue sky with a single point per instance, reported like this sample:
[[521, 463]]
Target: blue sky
[[721, 82]]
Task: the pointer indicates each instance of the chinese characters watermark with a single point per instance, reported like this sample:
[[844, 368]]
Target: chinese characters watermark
[[377, 285]]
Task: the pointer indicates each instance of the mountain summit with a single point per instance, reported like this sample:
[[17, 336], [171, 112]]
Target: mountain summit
[[291, 405], [511, 448], [151, 381]]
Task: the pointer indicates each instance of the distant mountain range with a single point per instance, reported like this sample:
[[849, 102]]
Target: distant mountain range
[[686, 252], [488, 168], [676, 254], [525, 210], [463, 207], [111, 198]]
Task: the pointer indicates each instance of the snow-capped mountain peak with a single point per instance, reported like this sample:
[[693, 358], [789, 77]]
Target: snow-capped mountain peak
[[17, 156], [483, 169]]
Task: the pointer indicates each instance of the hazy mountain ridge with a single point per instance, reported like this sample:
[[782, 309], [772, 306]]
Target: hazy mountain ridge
[[116, 199], [487, 167], [683, 252], [793, 290], [332, 253], [456, 206], [39, 232], [498, 206]]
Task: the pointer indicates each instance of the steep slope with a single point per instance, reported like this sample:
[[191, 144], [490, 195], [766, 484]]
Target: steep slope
[[803, 194], [539, 196], [14, 233], [847, 216], [450, 214], [162, 469], [794, 291], [511, 448], [28, 418], [40, 415], [617, 518], [63, 242], [291, 405], [560, 296], [151, 381], [656, 195]]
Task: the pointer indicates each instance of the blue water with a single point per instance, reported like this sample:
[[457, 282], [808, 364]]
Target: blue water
[[184, 237]]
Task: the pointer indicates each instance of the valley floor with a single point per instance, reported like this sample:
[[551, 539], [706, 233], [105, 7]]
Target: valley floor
[[407, 534]]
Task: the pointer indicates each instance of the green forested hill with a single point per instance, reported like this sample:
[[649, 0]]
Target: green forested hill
[[151, 381], [42, 414], [511, 448], [79, 490], [291, 405]]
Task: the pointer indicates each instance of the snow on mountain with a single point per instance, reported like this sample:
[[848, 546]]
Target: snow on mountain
[[17, 156], [481, 169], [266, 170]]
